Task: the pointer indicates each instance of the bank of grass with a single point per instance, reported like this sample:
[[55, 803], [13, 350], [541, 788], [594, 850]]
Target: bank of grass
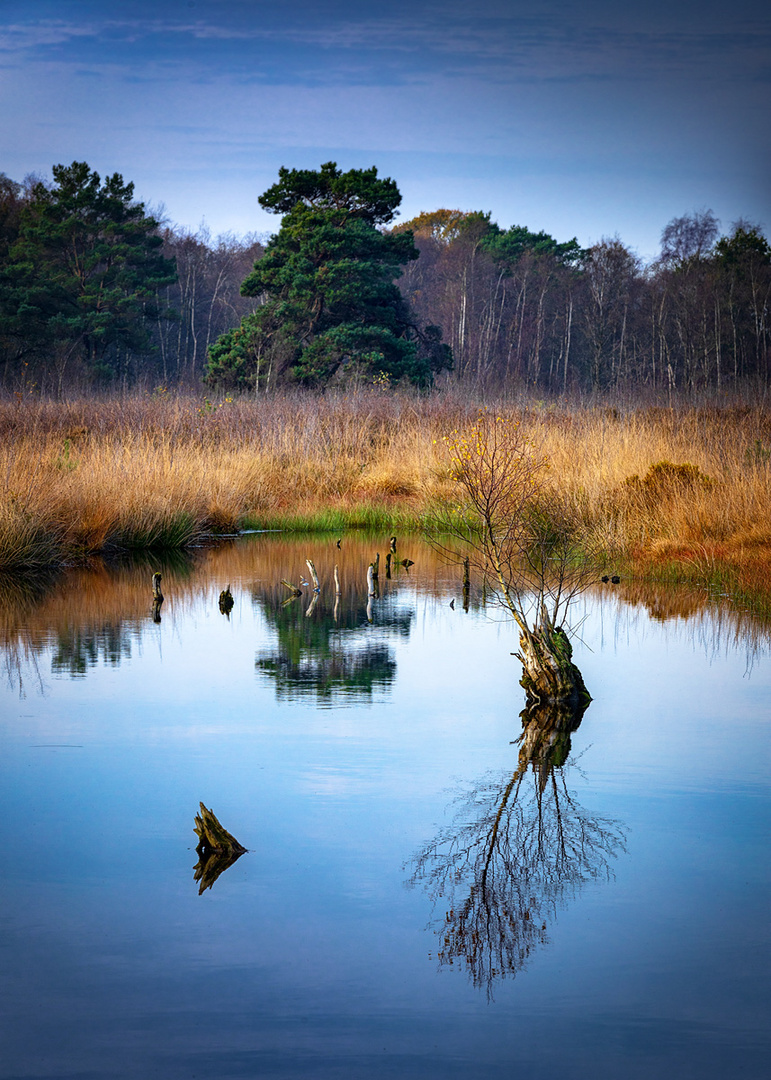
[[681, 492]]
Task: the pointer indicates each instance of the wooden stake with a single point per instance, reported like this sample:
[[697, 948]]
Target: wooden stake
[[314, 575], [157, 598]]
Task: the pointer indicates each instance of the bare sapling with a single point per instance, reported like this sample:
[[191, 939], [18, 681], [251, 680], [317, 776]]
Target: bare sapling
[[518, 540]]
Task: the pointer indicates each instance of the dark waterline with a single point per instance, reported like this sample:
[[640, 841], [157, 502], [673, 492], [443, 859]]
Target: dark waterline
[[621, 928]]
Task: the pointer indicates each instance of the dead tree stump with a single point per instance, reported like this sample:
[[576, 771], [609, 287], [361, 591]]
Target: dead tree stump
[[549, 675], [217, 849]]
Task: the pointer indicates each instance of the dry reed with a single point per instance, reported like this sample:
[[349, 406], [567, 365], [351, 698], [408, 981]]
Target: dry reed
[[159, 471]]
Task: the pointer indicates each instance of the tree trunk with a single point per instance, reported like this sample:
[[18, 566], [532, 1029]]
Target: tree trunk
[[550, 676]]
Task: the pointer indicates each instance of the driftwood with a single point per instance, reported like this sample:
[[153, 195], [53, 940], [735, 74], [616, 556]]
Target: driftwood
[[217, 849]]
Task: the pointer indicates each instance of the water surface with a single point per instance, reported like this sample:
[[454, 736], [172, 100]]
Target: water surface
[[415, 901]]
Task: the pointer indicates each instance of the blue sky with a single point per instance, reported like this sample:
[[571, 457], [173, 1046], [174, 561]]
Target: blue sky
[[582, 118]]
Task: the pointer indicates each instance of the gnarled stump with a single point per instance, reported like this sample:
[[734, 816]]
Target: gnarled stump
[[550, 676], [217, 849]]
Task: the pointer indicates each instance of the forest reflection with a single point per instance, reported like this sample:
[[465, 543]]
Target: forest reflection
[[327, 649], [519, 847], [98, 614]]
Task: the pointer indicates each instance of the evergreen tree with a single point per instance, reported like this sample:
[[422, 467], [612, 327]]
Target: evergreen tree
[[80, 279], [330, 306]]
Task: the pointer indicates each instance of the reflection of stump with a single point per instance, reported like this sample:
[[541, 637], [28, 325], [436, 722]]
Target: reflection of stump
[[217, 849], [550, 676], [226, 601], [545, 739]]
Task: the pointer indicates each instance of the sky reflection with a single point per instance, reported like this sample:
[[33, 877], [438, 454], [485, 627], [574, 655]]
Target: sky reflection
[[309, 956]]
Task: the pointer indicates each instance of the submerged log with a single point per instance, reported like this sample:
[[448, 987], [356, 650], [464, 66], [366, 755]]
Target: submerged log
[[292, 588], [550, 676], [217, 849]]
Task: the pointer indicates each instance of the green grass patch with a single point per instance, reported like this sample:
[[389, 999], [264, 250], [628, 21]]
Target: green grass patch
[[337, 519]]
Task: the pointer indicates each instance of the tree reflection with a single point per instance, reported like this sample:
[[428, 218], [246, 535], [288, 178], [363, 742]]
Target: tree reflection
[[518, 848], [79, 648], [327, 650]]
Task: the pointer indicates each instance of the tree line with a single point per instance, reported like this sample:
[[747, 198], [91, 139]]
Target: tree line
[[96, 289]]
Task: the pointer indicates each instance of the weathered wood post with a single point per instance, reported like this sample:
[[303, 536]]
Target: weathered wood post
[[313, 574], [157, 597], [371, 589], [336, 612], [392, 543]]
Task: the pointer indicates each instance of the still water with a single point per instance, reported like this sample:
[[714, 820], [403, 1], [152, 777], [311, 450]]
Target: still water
[[417, 900]]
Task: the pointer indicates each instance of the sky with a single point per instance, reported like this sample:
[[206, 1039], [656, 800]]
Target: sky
[[586, 118]]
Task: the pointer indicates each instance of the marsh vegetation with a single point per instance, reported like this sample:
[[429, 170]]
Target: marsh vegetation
[[677, 492]]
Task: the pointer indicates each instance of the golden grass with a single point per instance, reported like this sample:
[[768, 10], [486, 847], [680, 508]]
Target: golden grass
[[90, 474]]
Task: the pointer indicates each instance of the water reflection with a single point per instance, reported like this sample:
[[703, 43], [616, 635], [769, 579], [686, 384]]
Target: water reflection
[[518, 848], [325, 646], [78, 648], [97, 614]]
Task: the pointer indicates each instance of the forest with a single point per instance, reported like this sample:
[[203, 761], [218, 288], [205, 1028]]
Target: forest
[[96, 292]]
